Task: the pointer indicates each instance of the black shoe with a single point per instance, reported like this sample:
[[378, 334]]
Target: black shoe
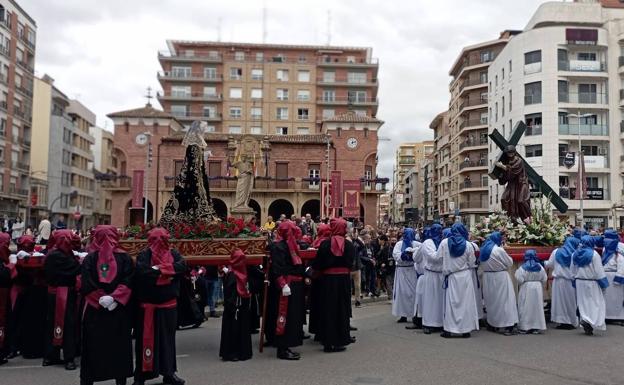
[[120, 381], [358, 304], [418, 322], [287, 355], [412, 327], [213, 314], [196, 325], [445, 334], [71, 365], [426, 330], [334, 349], [352, 328], [402, 320], [51, 362], [173, 380], [13, 354], [565, 327], [3, 361], [466, 335], [587, 328], [86, 382], [352, 339], [138, 382]]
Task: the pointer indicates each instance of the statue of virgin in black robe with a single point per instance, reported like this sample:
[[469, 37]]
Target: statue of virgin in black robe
[[190, 201]]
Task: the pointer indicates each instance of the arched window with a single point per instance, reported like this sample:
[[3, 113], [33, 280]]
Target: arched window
[[338, 131]]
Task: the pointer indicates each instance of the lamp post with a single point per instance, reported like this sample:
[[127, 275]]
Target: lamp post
[[581, 176], [148, 164]]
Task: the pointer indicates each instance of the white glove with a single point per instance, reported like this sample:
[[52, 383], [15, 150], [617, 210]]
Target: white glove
[[22, 254], [38, 254], [112, 306], [81, 255], [106, 301], [225, 270], [286, 291], [13, 259], [155, 267]]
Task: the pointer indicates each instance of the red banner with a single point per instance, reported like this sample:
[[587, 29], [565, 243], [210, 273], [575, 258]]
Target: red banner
[[336, 189], [137, 189], [351, 203]]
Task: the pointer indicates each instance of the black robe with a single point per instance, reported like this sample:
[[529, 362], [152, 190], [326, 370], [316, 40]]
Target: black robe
[[27, 324], [165, 320], [189, 312], [235, 330], [283, 267], [5, 310], [106, 335], [255, 276], [335, 295], [61, 271]]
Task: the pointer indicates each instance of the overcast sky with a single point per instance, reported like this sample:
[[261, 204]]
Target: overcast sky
[[105, 52]]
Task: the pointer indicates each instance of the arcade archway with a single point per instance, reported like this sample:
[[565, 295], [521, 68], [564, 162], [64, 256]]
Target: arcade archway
[[312, 207], [220, 208], [279, 207], [256, 208]]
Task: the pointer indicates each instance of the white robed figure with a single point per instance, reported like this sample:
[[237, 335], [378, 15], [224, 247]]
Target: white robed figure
[[531, 278], [613, 262], [498, 290], [458, 259], [419, 266], [590, 281], [405, 277], [432, 299], [476, 283], [563, 294]]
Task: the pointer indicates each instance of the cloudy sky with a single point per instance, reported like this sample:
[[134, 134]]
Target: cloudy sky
[[105, 52]]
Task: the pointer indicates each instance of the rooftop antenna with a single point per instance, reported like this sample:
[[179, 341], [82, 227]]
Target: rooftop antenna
[[329, 36], [264, 23], [149, 97], [219, 29]]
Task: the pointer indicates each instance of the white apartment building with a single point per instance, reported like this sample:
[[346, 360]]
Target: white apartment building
[[568, 61]]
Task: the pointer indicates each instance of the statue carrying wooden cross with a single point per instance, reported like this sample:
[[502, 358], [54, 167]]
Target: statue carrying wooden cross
[[511, 169]]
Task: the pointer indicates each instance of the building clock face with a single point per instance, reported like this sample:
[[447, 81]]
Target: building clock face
[[141, 139], [352, 143]]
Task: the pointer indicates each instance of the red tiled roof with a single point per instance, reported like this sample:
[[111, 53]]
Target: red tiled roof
[[143, 112], [352, 117]]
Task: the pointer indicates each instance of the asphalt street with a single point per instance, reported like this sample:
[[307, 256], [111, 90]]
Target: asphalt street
[[386, 353]]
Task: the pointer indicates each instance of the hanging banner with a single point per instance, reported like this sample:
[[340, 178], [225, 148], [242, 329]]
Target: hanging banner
[[336, 190], [137, 189], [351, 203]]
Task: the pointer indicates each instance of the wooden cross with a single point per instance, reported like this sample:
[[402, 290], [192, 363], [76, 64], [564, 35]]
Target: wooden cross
[[535, 179]]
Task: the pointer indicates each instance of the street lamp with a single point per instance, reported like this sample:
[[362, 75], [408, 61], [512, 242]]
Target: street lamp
[[148, 164], [581, 176]]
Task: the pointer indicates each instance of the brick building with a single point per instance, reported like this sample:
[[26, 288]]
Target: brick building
[[288, 186]]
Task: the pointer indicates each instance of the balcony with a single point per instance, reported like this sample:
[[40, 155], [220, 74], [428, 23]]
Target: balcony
[[472, 163], [264, 184], [535, 129], [118, 183], [582, 65], [26, 66], [468, 184], [593, 193], [472, 61], [21, 166], [583, 98], [473, 205], [192, 115], [191, 77], [24, 91], [477, 123], [330, 61], [532, 99], [4, 50], [18, 191], [473, 143], [346, 82], [348, 101], [533, 68], [190, 57], [586, 129], [474, 82], [194, 96], [473, 103], [593, 163]]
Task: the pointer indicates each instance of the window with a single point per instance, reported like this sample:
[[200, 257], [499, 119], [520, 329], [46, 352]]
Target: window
[[356, 77], [496, 112], [533, 57], [534, 124], [234, 129], [483, 77], [563, 92], [496, 81], [282, 94], [178, 110], [360, 112], [329, 95], [189, 53], [282, 75], [256, 74], [236, 73], [303, 76], [590, 120], [239, 56], [510, 104], [181, 72], [328, 113], [256, 93], [281, 130], [533, 150], [503, 107], [236, 93], [177, 166], [181, 91], [503, 73], [210, 129], [210, 72], [255, 112], [314, 173], [484, 118], [533, 93], [486, 56], [590, 150], [303, 130], [282, 113], [259, 56], [303, 95], [256, 130], [302, 59], [591, 182], [329, 76], [563, 118], [587, 93], [302, 114], [210, 91], [586, 56], [510, 67], [235, 112], [209, 111], [356, 96]]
